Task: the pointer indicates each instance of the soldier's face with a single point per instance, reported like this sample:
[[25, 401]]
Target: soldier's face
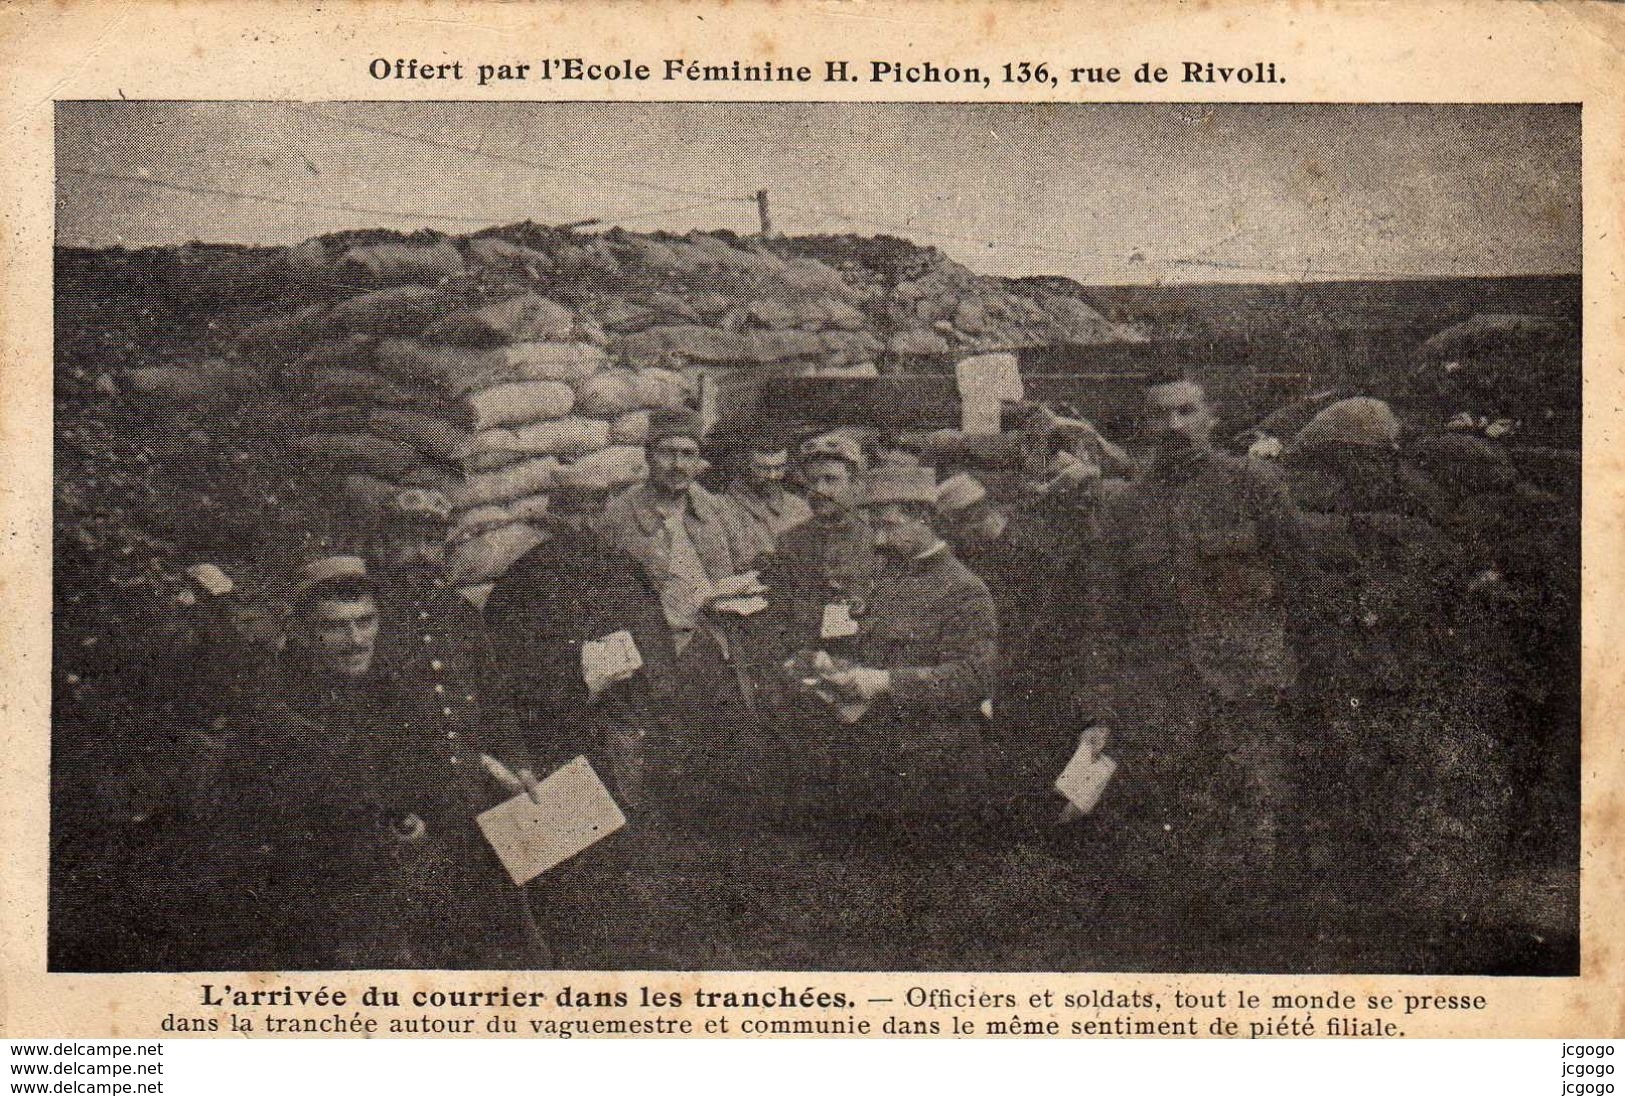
[[674, 463], [1177, 416], [898, 532], [829, 487], [766, 470], [342, 636]]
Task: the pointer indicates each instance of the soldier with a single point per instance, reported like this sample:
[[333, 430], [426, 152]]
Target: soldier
[[757, 493], [913, 754], [1199, 551], [696, 554], [347, 837], [686, 539], [830, 559], [570, 590], [1043, 698]]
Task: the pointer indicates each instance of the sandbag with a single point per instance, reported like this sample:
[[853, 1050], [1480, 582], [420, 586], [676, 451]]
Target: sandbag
[[432, 478], [631, 428], [492, 459], [401, 262], [613, 467], [531, 508], [775, 315], [365, 454], [207, 380], [779, 346], [369, 493], [478, 521], [403, 310], [681, 343], [654, 388], [608, 394], [842, 315], [458, 370], [430, 435], [535, 476], [286, 336], [849, 348], [567, 437], [489, 555], [519, 402], [917, 343], [324, 386], [496, 253], [525, 318], [568, 362]]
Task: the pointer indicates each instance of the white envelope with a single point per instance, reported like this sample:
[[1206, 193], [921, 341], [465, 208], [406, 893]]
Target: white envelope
[[575, 812], [609, 660], [1085, 777], [837, 622]]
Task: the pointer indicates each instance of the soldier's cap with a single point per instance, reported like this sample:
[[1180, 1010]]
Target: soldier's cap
[[834, 447], [673, 422], [1359, 420], [887, 485], [959, 493], [330, 571], [422, 507]]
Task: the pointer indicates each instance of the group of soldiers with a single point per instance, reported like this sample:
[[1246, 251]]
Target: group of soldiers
[[882, 647]]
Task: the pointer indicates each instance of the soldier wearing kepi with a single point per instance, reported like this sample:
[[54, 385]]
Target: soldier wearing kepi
[[347, 838], [1199, 550], [830, 559], [912, 754]]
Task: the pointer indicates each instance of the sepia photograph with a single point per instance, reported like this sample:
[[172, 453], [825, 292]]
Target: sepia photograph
[[753, 536]]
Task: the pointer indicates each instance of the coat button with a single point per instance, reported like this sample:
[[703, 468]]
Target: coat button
[[451, 734], [455, 759], [428, 639], [423, 614], [436, 664], [445, 711], [439, 688]]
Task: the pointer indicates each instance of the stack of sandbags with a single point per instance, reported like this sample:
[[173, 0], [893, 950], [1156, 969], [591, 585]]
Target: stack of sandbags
[[496, 402]]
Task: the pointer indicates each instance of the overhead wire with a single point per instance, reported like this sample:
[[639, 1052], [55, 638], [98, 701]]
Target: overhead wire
[[271, 199]]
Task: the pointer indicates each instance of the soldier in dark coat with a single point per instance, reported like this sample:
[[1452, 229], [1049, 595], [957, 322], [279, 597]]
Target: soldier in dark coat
[[347, 829], [908, 729], [572, 589], [1198, 553]]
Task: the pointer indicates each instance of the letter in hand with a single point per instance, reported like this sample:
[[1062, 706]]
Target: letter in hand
[[860, 683]]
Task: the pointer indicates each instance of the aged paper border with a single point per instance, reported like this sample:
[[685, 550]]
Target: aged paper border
[[1338, 50]]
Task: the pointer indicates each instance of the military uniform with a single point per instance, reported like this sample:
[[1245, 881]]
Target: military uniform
[[347, 835], [919, 758], [1194, 557], [766, 519], [564, 592]]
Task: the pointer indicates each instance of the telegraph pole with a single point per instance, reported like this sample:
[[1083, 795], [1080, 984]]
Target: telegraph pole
[[761, 210]]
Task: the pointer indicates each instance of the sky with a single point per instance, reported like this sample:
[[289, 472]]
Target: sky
[[1104, 193]]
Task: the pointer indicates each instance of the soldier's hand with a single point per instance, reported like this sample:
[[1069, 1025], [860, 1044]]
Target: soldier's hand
[[522, 781], [860, 682]]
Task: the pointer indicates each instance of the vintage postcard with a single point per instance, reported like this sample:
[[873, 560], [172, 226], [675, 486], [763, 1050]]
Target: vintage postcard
[[842, 519]]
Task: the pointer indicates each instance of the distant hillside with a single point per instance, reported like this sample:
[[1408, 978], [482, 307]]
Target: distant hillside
[[1250, 310]]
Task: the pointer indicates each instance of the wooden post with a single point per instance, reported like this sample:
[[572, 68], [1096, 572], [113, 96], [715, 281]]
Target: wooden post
[[761, 210]]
